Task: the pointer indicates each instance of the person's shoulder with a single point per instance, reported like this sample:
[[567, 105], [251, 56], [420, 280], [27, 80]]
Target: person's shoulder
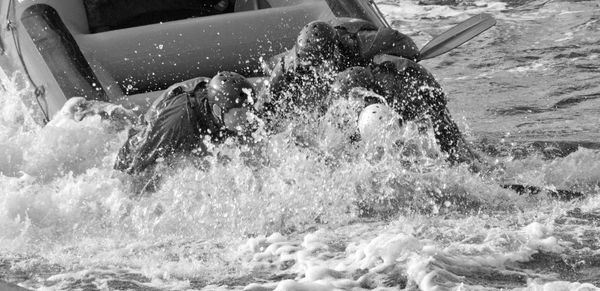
[[187, 86], [399, 63], [283, 61], [173, 93], [352, 25], [385, 63]]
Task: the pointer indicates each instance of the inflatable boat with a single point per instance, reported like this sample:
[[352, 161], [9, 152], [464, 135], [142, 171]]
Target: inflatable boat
[[126, 52]]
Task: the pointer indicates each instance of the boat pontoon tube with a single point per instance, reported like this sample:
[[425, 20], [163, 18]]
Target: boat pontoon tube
[[60, 51]]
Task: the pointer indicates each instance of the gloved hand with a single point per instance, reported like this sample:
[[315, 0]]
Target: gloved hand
[[78, 108]]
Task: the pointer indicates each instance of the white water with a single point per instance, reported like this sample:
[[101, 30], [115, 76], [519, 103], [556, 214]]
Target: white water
[[68, 221]]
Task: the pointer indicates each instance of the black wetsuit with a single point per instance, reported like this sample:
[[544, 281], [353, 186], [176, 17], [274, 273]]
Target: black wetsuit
[[177, 122]]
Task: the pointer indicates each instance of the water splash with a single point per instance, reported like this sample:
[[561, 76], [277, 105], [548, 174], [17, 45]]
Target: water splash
[[316, 211]]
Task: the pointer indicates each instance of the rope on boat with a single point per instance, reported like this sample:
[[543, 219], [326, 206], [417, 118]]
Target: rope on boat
[[39, 91]]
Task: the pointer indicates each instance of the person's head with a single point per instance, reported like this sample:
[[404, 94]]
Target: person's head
[[352, 78], [316, 43], [230, 97]]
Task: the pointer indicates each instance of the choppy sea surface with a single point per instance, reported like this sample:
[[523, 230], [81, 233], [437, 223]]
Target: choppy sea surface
[[334, 216]]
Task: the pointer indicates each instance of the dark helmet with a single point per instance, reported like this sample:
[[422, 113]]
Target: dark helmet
[[316, 42], [351, 78], [228, 90]]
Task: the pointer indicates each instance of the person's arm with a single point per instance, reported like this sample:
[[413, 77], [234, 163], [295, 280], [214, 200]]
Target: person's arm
[[173, 126], [414, 92], [284, 65], [276, 80], [173, 131], [386, 41]]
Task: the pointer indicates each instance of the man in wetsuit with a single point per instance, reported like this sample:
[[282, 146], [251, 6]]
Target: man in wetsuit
[[343, 42], [185, 117], [354, 53], [335, 46], [300, 77]]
